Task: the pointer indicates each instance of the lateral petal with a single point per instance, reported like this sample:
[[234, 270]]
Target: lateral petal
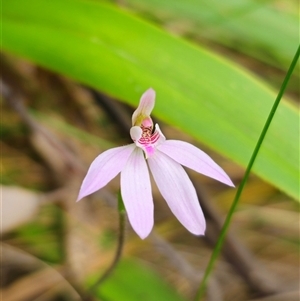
[[178, 190], [136, 193], [192, 157], [104, 168]]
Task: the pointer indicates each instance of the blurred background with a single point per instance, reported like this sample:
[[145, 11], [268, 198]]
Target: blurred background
[[63, 102]]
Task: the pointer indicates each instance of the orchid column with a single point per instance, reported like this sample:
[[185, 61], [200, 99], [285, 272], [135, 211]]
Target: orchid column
[[164, 158]]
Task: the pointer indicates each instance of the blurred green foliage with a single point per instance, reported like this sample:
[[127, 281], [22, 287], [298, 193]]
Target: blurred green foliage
[[205, 95], [136, 281], [43, 236], [265, 30]]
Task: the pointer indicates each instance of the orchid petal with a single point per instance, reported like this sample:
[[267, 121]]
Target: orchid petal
[[178, 191], [192, 157], [136, 133], [136, 193], [104, 168], [144, 109], [161, 136]]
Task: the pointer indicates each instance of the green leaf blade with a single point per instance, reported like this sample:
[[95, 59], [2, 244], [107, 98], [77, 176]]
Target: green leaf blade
[[200, 93]]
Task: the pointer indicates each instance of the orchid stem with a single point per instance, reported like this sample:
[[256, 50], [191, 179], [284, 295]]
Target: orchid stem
[[225, 227], [118, 253]]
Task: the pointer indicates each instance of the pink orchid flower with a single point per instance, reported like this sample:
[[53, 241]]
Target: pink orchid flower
[[164, 158]]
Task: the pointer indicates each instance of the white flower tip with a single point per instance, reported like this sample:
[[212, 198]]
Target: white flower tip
[[142, 227], [200, 233], [223, 178], [81, 195], [143, 236], [197, 229], [147, 102], [231, 184], [148, 93], [136, 133], [227, 180]]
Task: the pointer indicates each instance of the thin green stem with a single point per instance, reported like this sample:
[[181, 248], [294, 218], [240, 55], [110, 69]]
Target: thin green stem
[[119, 249], [225, 227]]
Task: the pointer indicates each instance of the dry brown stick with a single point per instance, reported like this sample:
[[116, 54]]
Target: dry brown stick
[[46, 277], [69, 169], [253, 271], [40, 133], [117, 111], [285, 296], [184, 267]]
